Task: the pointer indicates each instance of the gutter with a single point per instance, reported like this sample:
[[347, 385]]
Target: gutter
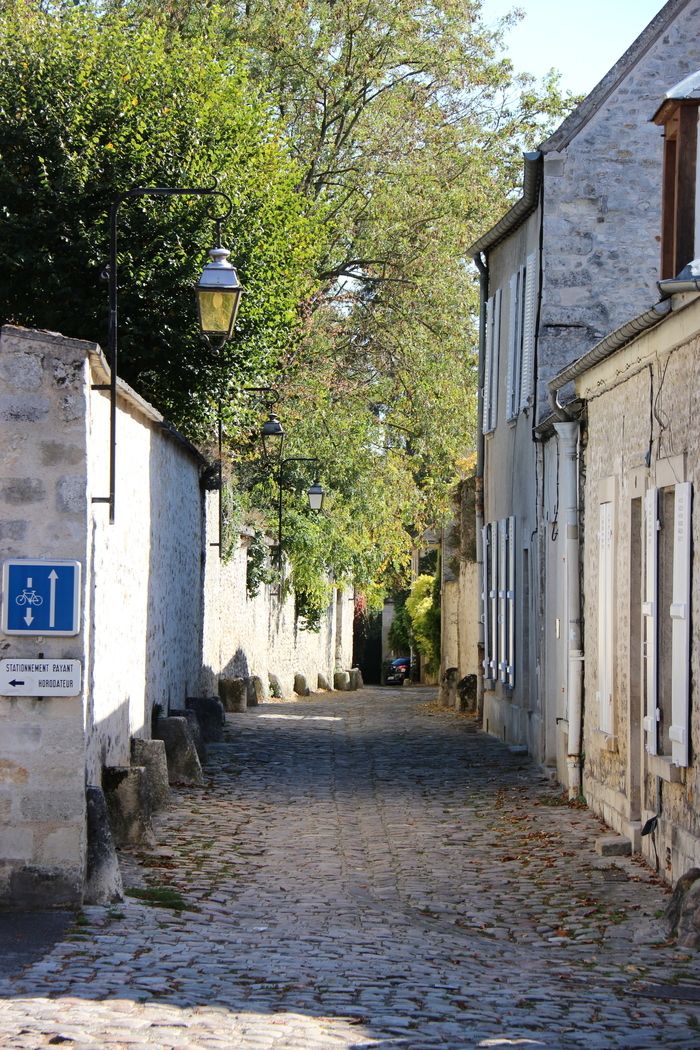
[[516, 216], [605, 348]]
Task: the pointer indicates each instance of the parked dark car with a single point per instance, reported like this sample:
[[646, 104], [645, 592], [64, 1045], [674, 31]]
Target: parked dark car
[[399, 670]]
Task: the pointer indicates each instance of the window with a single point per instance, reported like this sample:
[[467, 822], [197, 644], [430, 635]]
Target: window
[[498, 597], [679, 118], [605, 617], [521, 338], [667, 620], [491, 354]]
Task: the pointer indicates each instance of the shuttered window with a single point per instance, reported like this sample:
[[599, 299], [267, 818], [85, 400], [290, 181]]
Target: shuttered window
[[491, 354], [498, 600], [515, 342], [605, 617], [680, 616], [649, 610], [527, 368]]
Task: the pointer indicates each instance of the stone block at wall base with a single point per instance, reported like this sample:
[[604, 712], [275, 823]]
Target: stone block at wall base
[[234, 694], [256, 692], [184, 767], [210, 715], [341, 681], [30, 888], [275, 685], [192, 720], [300, 686], [126, 792], [103, 881], [356, 681], [447, 696], [322, 682], [466, 693], [151, 755]]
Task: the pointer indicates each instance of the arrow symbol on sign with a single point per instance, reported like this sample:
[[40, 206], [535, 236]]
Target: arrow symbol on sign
[[28, 618], [15, 682], [53, 576]]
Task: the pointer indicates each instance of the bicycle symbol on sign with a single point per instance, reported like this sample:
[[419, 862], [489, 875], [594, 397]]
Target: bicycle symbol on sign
[[29, 597]]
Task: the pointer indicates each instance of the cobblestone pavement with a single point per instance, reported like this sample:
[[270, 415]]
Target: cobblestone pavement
[[364, 870]]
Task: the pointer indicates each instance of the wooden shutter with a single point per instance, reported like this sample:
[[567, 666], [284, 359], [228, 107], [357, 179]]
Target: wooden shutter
[[514, 335], [649, 610], [485, 581], [605, 617], [527, 367], [493, 602], [510, 536], [680, 615], [488, 357], [503, 599], [495, 355]]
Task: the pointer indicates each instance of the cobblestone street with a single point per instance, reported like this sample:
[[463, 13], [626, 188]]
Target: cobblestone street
[[365, 870]]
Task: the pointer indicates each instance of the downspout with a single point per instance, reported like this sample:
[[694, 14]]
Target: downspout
[[482, 267], [568, 437]]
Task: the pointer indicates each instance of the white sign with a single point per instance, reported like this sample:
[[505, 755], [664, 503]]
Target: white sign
[[40, 677]]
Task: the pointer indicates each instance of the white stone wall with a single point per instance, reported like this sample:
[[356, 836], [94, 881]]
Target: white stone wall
[[162, 617], [43, 478]]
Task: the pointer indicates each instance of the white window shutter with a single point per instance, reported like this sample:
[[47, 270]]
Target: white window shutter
[[511, 600], [512, 378], [485, 586], [680, 615], [488, 356], [495, 355], [605, 617], [493, 601], [528, 339], [649, 610], [503, 599]]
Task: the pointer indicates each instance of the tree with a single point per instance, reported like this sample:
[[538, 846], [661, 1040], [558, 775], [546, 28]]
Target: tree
[[90, 105]]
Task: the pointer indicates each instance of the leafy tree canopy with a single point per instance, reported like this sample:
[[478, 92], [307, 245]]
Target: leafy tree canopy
[[91, 105]]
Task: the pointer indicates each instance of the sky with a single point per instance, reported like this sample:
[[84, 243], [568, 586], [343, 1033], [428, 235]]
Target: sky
[[581, 40]]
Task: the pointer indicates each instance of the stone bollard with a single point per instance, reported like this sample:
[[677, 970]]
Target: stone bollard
[[322, 681], [466, 693], [275, 685], [683, 911], [234, 694], [183, 761], [341, 681], [300, 686], [151, 755], [103, 879], [126, 793], [210, 715], [255, 691], [447, 696], [356, 681]]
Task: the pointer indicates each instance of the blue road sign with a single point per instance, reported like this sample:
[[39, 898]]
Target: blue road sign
[[41, 597]]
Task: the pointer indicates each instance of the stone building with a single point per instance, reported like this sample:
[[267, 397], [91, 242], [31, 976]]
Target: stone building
[[573, 259], [636, 400]]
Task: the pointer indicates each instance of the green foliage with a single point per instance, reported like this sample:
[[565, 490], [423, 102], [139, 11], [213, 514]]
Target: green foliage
[[258, 568], [400, 636], [423, 608], [92, 104]]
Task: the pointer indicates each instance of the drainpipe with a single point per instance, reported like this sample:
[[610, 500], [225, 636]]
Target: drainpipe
[[482, 267], [568, 436]]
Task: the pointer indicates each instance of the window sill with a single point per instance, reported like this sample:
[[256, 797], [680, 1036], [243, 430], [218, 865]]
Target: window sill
[[661, 766], [606, 741]]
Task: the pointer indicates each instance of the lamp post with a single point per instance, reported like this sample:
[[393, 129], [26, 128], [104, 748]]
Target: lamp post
[[314, 493], [218, 295]]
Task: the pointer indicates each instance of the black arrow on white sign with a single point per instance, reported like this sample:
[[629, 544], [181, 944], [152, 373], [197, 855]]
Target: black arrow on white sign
[[15, 682]]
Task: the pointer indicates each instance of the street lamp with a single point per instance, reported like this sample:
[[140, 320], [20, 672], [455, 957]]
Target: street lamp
[[315, 494], [218, 295], [272, 433]]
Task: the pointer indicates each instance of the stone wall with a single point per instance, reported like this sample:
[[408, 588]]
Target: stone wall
[[602, 205], [43, 482], [623, 783], [162, 616]]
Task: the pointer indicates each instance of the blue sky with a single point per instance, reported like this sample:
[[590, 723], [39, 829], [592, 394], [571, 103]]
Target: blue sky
[[581, 40]]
